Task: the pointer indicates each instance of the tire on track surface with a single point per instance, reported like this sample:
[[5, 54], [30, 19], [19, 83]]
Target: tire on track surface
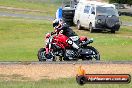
[[97, 55], [41, 54]]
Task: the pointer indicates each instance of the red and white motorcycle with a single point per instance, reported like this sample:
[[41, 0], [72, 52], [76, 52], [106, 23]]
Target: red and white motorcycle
[[61, 46]]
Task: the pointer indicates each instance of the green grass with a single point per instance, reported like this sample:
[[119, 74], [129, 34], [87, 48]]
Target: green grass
[[112, 46], [58, 83], [126, 18], [45, 8], [20, 40], [28, 4]]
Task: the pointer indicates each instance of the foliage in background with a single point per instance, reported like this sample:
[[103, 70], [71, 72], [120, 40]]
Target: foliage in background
[[121, 1], [130, 2]]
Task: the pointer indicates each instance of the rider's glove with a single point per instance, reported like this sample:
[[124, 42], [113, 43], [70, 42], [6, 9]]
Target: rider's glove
[[52, 33]]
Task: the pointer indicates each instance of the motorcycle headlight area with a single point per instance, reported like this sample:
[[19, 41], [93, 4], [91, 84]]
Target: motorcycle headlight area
[[70, 42]]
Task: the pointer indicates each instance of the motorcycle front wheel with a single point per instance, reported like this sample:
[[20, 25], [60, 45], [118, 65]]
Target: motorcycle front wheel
[[95, 54], [41, 54]]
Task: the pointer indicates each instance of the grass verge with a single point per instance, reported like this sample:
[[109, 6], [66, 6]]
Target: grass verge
[[20, 40], [43, 7], [58, 83], [126, 18]]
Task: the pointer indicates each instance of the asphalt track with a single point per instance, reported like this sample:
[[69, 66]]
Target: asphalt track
[[63, 62], [6, 14]]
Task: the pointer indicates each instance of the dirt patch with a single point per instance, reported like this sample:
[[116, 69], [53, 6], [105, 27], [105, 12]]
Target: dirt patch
[[55, 71]]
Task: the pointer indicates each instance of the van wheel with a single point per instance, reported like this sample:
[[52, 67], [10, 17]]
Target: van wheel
[[112, 31], [79, 27], [90, 28]]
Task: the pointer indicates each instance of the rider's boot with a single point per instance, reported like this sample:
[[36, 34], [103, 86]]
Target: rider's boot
[[75, 46]]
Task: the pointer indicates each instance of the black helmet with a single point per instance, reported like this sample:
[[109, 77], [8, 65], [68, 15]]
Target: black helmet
[[55, 22]]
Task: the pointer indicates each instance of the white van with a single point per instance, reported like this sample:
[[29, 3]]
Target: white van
[[96, 15]]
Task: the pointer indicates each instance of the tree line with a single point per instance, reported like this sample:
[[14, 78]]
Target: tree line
[[121, 1]]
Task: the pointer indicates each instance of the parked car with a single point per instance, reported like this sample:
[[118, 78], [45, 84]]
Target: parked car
[[119, 6], [96, 16]]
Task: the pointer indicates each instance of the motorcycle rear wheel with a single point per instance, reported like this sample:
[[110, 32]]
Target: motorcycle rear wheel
[[95, 56]]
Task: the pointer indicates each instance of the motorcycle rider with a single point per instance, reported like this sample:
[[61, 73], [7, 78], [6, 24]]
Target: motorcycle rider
[[61, 27]]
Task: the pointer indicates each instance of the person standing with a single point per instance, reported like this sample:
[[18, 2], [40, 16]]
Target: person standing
[[59, 13]]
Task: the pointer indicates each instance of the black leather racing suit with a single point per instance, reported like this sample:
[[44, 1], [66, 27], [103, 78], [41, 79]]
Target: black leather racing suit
[[67, 30]]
